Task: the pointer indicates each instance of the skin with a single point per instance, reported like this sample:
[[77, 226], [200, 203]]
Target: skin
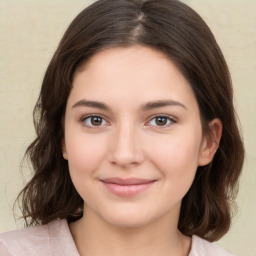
[[129, 141]]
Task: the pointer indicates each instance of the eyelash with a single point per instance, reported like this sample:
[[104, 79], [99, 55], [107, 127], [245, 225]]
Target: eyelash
[[83, 120], [169, 118]]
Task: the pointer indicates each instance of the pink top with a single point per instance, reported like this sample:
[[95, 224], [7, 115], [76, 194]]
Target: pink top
[[55, 239]]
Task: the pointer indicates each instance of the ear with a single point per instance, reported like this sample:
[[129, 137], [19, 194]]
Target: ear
[[210, 142], [64, 150]]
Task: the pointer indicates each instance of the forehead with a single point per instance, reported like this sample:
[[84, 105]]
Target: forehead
[[130, 75], [138, 60]]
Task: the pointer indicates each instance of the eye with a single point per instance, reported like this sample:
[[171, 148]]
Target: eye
[[162, 121], [94, 121]]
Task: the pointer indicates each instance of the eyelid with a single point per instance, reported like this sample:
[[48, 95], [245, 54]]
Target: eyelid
[[83, 118], [169, 117]]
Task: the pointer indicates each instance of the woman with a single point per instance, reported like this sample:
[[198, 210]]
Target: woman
[[137, 149]]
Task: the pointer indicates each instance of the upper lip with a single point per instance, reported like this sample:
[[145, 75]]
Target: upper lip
[[127, 181]]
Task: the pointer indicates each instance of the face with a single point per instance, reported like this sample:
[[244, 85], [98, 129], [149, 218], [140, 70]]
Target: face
[[133, 136]]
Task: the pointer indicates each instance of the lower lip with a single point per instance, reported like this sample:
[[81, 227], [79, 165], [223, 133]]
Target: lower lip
[[127, 190]]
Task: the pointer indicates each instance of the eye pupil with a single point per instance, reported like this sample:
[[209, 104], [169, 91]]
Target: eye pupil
[[161, 120], [96, 120]]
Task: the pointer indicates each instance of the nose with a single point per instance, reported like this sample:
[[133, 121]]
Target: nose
[[126, 147]]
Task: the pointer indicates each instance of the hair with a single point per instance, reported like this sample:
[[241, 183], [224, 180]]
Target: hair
[[175, 29]]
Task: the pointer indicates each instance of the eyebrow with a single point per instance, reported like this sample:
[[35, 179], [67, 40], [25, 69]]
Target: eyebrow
[[145, 107], [161, 103], [91, 103]]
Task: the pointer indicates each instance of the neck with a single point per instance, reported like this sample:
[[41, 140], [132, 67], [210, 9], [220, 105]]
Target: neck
[[94, 236]]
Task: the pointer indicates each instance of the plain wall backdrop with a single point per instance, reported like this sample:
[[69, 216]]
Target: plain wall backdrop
[[29, 34]]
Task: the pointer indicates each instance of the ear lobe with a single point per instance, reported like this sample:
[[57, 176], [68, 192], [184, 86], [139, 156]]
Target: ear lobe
[[210, 142], [64, 151]]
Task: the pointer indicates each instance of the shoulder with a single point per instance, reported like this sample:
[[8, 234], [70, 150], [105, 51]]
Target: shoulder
[[201, 247], [31, 241]]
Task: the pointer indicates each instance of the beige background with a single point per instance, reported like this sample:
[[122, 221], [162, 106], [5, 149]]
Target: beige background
[[29, 33]]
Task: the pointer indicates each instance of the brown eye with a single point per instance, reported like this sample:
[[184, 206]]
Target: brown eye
[[162, 121], [96, 121], [93, 121]]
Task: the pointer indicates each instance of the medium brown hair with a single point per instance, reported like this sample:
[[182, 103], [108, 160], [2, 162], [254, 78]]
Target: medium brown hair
[[179, 32]]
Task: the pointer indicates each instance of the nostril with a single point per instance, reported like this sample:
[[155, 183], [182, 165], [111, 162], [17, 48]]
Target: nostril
[[126, 158], [125, 149]]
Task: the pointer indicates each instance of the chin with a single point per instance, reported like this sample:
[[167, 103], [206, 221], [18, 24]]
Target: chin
[[127, 218], [128, 222]]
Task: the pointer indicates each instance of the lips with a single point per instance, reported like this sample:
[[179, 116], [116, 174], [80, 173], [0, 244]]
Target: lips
[[127, 187], [129, 181]]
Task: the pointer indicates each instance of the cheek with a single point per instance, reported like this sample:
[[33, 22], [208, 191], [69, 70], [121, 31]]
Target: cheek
[[85, 153], [177, 162], [178, 158]]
